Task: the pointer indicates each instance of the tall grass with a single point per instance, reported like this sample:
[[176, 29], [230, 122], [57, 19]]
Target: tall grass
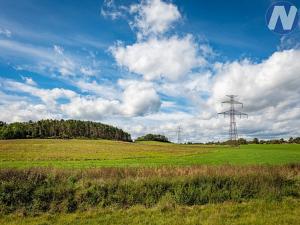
[[53, 190]]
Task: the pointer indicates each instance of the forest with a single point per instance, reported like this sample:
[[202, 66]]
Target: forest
[[61, 129]]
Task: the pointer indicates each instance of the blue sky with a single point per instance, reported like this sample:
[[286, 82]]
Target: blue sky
[[147, 65]]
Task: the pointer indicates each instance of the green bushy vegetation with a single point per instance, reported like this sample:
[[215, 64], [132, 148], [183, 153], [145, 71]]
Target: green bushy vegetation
[[61, 129], [153, 137], [242, 141], [35, 191]]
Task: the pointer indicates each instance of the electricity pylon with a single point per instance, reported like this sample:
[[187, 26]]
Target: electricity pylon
[[179, 134], [232, 112]]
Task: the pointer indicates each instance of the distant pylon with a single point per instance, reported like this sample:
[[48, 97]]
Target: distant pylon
[[233, 134], [179, 134]]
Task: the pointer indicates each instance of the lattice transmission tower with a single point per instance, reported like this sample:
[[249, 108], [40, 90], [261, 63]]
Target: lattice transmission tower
[[179, 129], [232, 113]]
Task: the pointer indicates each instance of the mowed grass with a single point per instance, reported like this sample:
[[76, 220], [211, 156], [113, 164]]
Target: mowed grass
[[101, 153], [258, 212]]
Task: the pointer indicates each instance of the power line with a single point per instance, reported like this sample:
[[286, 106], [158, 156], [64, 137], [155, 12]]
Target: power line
[[232, 112]]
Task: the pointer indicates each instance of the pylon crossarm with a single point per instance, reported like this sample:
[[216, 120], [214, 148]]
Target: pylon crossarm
[[232, 102], [224, 113], [233, 112], [227, 112], [240, 114]]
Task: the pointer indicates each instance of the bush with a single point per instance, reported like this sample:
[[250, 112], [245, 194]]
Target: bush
[[153, 137]]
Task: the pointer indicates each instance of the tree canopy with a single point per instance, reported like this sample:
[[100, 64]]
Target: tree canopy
[[153, 137], [61, 129]]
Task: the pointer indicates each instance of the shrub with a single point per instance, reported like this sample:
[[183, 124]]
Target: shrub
[[33, 191]]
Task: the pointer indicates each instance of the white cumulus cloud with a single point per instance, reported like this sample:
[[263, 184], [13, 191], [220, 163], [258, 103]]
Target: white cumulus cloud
[[160, 58], [140, 98], [260, 85], [154, 17]]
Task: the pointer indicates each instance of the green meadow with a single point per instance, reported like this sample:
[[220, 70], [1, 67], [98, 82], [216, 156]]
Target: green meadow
[[101, 153], [256, 212], [76, 181]]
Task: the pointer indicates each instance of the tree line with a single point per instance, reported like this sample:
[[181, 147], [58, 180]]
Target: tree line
[[87, 129], [61, 129], [153, 137], [242, 141]]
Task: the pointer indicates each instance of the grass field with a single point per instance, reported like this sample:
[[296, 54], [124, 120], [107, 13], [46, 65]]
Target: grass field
[[147, 183], [286, 212], [100, 153]]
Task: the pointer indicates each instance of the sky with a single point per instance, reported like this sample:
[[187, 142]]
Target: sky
[[150, 66]]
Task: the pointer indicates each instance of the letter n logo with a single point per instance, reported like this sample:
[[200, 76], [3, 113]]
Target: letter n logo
[[282, 17]]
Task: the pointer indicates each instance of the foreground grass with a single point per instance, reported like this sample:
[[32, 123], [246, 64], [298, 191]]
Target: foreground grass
[[59, 190], [252, 212], [100, 153], [204, 194]]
